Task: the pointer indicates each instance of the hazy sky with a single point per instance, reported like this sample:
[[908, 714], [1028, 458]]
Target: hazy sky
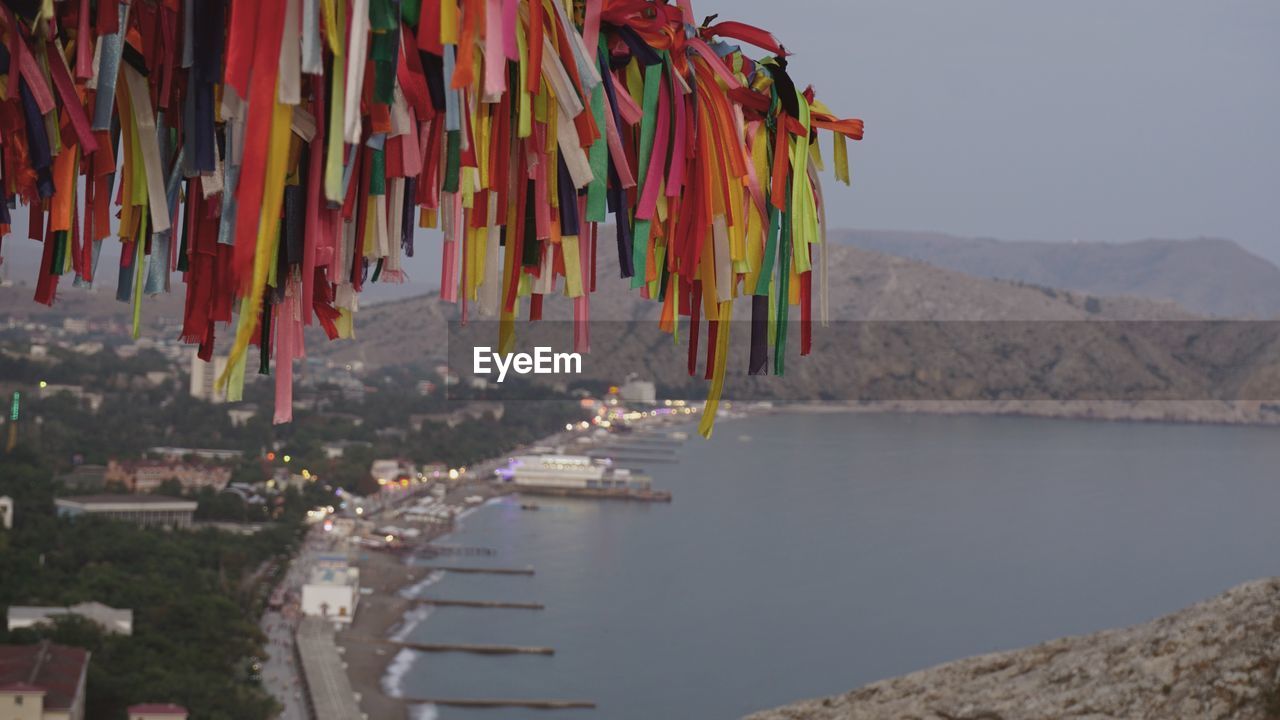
[[1092, 119], [1107, 120]]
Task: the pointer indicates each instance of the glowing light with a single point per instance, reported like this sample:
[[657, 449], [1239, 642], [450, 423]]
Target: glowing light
[[13, 409], [390, 538], [306, 473], [568, 426], [271, 456], [44, 384], [287, 458], [453, 474], [359, 511]]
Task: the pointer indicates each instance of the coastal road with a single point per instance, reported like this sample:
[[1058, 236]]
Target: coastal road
[[280, 673]]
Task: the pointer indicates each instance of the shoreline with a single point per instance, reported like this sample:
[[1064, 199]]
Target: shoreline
[[386, 613], [1236, 413]]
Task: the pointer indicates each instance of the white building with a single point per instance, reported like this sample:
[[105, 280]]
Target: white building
[[332, 593], [6, 512], [143, 510], [390, 471], [204, 376], [571, 472], [119, 622], [240, 416], [639, 391]]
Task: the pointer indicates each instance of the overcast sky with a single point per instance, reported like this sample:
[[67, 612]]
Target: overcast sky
[[1107, 120], [1092, 119]]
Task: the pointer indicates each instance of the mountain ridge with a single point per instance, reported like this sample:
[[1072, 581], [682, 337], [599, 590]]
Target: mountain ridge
[[1214, 277]]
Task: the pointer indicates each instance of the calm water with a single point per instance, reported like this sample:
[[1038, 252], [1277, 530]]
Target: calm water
[[830, 551]]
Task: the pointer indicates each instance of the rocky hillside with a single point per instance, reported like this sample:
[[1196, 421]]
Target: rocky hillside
[[902, 330], [1218, 659], [864, 286], [1208, 276]]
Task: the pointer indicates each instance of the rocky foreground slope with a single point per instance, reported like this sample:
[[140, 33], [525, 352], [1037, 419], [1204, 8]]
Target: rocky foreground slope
[[1215, 660]]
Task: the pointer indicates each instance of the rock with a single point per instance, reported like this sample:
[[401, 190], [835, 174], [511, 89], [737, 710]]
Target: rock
[[1215, 660]]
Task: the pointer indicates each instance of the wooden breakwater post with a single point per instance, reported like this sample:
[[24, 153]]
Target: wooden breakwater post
[[438, 550], [490, 604], [478, 570], [512, 703], [477, 648]]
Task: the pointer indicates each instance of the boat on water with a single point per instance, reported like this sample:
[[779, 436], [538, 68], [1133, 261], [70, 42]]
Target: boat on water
[[579, 476]]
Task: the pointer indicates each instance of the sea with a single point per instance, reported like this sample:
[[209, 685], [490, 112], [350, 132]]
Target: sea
[[807, 555]]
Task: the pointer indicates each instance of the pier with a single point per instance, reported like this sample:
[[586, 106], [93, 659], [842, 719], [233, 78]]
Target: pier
[[476, 648], [490, 604], [630, 457], [597, 493], [493, 703], [478, 570], [436, 550]]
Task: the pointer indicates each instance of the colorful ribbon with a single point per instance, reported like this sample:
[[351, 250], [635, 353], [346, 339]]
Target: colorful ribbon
[[280, 153]]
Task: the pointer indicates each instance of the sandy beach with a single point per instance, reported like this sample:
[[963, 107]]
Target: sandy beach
[[382, 613]]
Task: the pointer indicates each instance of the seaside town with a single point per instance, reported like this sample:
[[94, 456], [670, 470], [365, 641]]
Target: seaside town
[[308, 534]]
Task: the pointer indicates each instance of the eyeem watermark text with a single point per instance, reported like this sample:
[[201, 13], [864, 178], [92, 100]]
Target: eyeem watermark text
[[543, 361]]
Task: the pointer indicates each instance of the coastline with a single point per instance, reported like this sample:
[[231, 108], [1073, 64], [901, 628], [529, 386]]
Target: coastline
[[375, 668], [1189, 412], [388, 611]]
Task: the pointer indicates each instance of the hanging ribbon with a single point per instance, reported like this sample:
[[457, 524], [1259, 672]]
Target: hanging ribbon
[[281, 155]]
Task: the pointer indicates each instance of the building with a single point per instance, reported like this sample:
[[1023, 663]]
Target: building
[[6, 512], [75, 326], [144, 510], [42, 682], [332, 592], [92, 399], [391, 471], [472, 411], [157, 712], [83, 478], [334, 450], [240, 416], [640, 392], [157, 378], [282, 478], [180, 453], [147, 475], [571, 472], [204, 376], [119, 622]]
